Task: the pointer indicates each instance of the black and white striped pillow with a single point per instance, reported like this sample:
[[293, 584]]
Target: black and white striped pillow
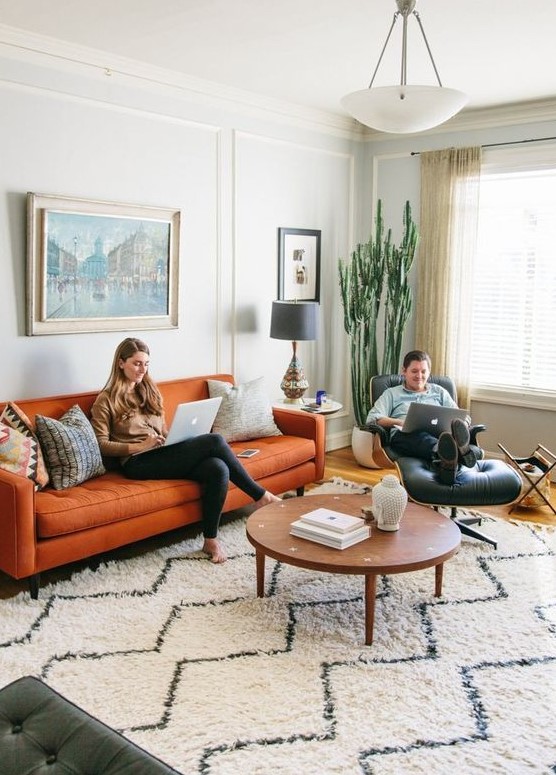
[[70, 448]]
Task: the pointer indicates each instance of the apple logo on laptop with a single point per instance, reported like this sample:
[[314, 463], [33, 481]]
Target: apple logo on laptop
[[434, 421]]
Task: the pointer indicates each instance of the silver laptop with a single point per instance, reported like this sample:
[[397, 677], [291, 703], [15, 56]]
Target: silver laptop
[[193, 419], [431, 418]]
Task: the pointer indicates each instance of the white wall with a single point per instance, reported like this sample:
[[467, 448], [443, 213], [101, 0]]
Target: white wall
[[293, 189], [236, 173]]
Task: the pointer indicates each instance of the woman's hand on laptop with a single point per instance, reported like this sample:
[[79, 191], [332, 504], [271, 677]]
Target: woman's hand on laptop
[[152, 441], [157, 440]]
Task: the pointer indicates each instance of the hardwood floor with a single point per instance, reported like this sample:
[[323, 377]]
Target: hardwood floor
[[341, 463]]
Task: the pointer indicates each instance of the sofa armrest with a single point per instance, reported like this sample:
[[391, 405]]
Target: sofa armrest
[[308, 426], [17, 525]]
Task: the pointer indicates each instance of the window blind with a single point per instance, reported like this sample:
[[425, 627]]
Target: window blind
[[514, 297]]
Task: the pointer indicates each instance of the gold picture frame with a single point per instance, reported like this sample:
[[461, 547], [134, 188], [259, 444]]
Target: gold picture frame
[[97, 266]]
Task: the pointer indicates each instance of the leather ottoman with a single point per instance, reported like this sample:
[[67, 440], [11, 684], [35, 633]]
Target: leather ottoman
[[41, 731]]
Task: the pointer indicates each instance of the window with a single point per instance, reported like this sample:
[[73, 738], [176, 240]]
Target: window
[[514, 300]]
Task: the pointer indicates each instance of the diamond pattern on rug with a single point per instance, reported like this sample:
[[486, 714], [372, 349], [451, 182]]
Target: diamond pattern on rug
[[431, 686], [180, 656]]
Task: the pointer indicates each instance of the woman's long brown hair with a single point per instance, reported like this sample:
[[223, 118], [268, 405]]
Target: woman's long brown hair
[[145, 397]]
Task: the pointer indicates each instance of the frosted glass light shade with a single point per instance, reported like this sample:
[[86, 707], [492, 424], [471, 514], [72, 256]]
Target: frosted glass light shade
[[404, 109]]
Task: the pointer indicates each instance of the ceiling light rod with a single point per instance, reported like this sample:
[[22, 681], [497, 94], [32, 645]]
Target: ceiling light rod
[[404, 108], [405, 9]]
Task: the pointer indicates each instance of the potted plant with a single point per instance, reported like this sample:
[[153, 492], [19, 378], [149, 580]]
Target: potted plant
[[376, 275]]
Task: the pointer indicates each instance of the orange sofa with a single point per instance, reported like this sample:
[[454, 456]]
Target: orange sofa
[[46, 529]]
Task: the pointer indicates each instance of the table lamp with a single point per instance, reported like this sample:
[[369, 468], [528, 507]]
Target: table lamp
[[296, 321]]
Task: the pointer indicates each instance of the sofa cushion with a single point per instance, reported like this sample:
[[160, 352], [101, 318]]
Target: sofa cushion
[[108, 499], [70, 448], [245, 412], [277, 454], [14, 416], [113, 498], [18, 453]]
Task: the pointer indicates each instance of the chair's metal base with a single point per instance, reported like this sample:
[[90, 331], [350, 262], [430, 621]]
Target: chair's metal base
[[464, 525]]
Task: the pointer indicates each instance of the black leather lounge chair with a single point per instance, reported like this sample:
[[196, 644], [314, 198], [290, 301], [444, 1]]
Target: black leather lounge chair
[[488, 483]]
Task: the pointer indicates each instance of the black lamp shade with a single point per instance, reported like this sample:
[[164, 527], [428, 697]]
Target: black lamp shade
[[294, 320]]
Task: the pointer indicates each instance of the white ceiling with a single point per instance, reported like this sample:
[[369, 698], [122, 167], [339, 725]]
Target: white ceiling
[[312, 52]]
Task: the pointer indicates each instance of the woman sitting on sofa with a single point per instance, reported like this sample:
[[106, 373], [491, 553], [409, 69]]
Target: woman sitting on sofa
[[128, 419]]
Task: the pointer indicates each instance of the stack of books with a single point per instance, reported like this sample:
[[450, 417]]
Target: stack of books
[[331, 528]]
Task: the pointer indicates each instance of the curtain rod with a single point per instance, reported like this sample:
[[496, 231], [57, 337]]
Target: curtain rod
[[495, 145]]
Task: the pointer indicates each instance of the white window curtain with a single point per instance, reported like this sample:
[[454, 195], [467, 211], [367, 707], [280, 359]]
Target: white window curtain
[[448, 232]]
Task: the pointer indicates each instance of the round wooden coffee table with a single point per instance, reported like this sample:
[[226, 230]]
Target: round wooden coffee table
[[425, 539]]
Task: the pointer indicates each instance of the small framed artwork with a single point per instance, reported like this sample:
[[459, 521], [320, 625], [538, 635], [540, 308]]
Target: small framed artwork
[[298, 264], [100, 266]]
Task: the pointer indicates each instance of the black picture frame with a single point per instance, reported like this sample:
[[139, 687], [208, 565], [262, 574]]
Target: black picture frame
[[299, 264]]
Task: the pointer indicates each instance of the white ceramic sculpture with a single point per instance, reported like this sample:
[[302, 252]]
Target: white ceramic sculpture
[[389, 502]]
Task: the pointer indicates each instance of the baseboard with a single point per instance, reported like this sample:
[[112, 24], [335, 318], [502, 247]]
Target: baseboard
[[338, 440]]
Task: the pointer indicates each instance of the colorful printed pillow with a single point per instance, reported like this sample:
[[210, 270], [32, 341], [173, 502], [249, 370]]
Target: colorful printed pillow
[[15, 418], [18, 453], [245, 412], [70, 448]]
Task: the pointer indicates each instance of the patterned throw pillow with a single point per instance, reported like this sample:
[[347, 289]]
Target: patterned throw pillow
[[15, 418], [70, 447], [18, 453], [245, 412]]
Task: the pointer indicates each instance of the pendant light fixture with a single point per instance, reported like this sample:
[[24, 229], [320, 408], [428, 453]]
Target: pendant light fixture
[[404, 109]]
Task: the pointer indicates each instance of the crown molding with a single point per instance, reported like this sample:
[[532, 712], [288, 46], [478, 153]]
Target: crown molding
[[54, 54], [510, 114]]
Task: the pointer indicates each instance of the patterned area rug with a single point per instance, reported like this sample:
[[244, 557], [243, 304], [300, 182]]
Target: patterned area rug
[[180, 656]]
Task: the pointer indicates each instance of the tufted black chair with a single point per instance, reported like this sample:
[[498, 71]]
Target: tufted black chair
[[41, 731], [488, 483]]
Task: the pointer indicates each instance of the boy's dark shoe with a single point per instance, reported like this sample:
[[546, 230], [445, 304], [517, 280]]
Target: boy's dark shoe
[[460, 432], [447, 451]]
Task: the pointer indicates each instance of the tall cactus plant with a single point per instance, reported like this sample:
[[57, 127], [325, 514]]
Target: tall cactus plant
[[361, 284], [399, 296], [375, 264]]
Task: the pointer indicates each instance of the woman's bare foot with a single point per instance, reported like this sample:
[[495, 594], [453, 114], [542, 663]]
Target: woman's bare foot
[[213, 547], [267, 498]]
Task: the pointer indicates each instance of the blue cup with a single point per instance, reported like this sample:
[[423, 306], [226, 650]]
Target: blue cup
[[320, 397]]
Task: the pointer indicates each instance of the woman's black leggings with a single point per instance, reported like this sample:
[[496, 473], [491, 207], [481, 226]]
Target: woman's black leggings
[[207, 459]]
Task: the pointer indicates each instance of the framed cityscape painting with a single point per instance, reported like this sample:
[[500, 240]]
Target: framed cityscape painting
[[100, 266], [298, 264]]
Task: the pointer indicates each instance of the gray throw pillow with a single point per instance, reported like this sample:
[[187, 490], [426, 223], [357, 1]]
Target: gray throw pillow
[[70, 448], [245, 412]]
